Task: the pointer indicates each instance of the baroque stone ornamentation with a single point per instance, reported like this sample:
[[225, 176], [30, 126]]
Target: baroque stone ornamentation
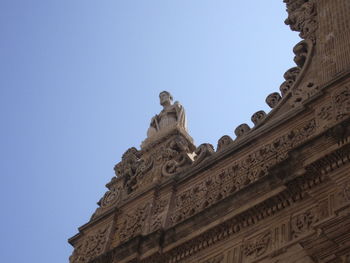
[[258, 117], [110, 199], [273, 99], [158, 214], [175, 157], [303, 222], [302, 17], [239, 174], [132, 223], [303, 92], [242, 130], [224, 142], [203, 151], [92, 246], [290, 77], [257, 247], [301, 51], [279, 194]]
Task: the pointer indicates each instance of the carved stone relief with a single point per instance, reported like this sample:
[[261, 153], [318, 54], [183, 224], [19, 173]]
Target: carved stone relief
[[334, 110], [132, 223], [258, 246], [158, 214], [203, 151], [302, 223], [239, 174], [302, 17], [91, 246]]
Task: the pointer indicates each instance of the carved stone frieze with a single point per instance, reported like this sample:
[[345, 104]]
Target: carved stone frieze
[[158, 214], [91, 246], [133, 223], [241, 173], [333, 111]]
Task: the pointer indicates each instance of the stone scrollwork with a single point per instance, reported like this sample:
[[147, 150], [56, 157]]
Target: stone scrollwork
[[202, 152], [174, 157], [290, 76], [110, 199], [293, 76], [132, 169], [302, 17]]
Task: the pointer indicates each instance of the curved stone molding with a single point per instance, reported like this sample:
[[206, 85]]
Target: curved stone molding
[[290, 76], [202, 152], [301, 51], [258, 117], [224, 142], [242, 130], [273, 99]]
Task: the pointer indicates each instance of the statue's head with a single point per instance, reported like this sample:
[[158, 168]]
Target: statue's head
[[165, 98]]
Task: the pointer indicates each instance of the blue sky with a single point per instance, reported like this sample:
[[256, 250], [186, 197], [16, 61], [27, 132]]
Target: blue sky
[[79, 82]]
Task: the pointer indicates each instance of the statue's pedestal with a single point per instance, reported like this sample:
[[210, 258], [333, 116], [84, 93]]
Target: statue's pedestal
[[164, 136]]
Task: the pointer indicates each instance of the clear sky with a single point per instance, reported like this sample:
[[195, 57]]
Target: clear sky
[[79, 82]]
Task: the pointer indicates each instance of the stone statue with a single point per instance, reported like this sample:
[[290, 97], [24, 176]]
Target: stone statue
[[172, 115]]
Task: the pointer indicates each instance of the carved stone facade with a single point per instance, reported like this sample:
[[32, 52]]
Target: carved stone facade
[[278, 192]]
